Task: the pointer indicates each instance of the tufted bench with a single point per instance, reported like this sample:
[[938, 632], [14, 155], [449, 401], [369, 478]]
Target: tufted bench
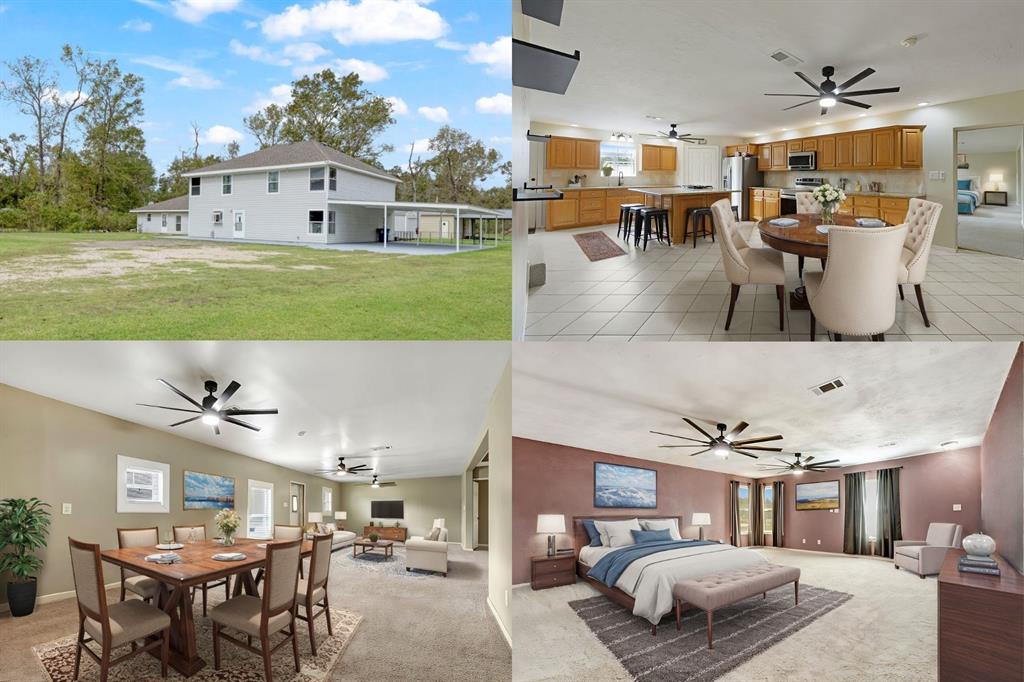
[[714, 591]]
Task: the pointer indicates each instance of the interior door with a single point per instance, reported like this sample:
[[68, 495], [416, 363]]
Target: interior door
[[297, 504], [238, 223], [476, 514], [702, 165]]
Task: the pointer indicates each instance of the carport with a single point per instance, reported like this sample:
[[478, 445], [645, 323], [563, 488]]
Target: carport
[[460, 211]]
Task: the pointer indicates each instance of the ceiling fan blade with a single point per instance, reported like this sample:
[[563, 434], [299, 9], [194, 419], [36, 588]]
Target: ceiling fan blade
[[234, 411], [876, 91], [736, 430], [176, 409], [683, 446], [827, 461], [808, 459], [856, 79], [694, 454], [807, 80], [748, 454], [757, 447], [789, 465], [799, 105], [702, 431], [216, 429], [239, 422], [168, 385], [853, 103], [226, 395], [185, 421], [759, 439], [786, 94], [672, 435], [326, 471], [360, 467], [823, 468]]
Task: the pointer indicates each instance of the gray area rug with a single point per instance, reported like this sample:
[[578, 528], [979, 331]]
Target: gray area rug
[[378, 563], [741, 631]]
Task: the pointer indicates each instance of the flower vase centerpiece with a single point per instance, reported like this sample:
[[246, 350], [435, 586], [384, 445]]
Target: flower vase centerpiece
[[228, 522], [828, 197]]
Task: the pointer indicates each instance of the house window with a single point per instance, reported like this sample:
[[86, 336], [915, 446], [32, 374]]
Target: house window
[[149, 217], [177, 223], [330, 222], [142, 486], [163, 220], [225, 184], [871, 507], [744, 494], [272, 182], [327, 500], [218, 217], [196, 186], [316, 222], [333, 175], [316, 179], [259, 518], [621, 156], [766, 507]]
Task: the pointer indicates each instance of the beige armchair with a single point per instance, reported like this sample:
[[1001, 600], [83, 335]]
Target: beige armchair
[[429, 553], [925, 558], [744, 264], [922, 217], [854, 294]]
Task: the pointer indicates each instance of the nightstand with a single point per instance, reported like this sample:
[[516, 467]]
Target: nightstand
[[552, 571], [1001, 195]]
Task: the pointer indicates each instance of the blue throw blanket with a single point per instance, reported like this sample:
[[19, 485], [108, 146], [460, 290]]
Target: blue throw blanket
[[611, 566], [966, 203]]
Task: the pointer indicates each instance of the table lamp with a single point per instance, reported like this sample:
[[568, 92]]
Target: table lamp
[[551, 524], [996, 180], [701, 519], [314, 518], [340, 516]]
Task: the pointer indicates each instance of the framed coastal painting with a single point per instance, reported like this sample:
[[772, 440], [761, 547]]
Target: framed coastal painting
[[822, 495], [208, 491], [624, 487]]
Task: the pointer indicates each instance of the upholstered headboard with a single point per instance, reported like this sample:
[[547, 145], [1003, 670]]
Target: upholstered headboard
[[580, 539]]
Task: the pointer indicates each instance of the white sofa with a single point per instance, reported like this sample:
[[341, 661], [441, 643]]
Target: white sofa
[[342, 538], [428, 555]]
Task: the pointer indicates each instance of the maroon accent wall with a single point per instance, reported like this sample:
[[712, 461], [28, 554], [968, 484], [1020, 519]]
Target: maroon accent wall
[[557, 479], [929, 487], [1002, 468]]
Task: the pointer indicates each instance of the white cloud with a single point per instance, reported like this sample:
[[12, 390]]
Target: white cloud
[[368, 71], [188, 76], [258, 54], [501, 139], [196, 11], [468, 18], [500, 103], [435, 114], [421, 147], [250, 24], [351, 22], [279, 94], [137, 25], [496, 57], [66, 97], [305, 52], [398, 106], [220, 135], [451, 45]]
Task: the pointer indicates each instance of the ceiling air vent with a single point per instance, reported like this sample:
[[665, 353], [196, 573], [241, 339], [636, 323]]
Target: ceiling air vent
[[785, 58], [828, 386]]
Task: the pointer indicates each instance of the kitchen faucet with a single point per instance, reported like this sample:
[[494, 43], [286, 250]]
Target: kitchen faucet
[[620, 178]]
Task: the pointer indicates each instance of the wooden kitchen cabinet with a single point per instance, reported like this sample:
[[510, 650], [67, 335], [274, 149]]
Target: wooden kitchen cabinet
[[893, 209], [862, 149], [891, 147], [844, 151], [772, 203], [572, 153], [756, 204], [668, 159], [591, 207], [562, 212], [883, 148], [657, 157], [588, 154], [780, 157], [846, 207], [865, 206], [742, 149], [911, 147], [794, 146], [809, 145], [826, 152], [764, 157]]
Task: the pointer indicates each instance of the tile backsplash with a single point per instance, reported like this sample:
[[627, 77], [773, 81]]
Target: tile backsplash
[[902, 182], [561, 178]]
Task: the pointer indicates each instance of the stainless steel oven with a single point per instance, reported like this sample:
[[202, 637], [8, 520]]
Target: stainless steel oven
[[802, 161]]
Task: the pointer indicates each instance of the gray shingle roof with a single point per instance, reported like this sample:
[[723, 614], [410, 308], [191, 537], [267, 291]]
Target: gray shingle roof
[[309, 151], [175, 204]]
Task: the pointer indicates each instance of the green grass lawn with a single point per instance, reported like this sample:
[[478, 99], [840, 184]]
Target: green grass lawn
[[126, 286]]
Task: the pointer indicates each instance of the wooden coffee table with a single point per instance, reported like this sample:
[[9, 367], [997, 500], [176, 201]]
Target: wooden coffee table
[[369, 545]]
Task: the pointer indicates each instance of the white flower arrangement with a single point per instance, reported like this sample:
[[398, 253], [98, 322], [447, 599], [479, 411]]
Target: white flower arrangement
[[228, 521], [828, 196]]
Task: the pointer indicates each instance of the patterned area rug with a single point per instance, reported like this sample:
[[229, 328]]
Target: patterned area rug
[[394, 565], [598, 246], [58, 657], [741, 631]]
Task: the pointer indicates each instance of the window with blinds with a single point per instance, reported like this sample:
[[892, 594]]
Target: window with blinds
[[327, 497], [260, 516]]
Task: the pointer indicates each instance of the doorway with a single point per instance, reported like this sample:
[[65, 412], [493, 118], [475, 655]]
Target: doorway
[[990, 190], [238, 224], [480, 502], [296, 503]]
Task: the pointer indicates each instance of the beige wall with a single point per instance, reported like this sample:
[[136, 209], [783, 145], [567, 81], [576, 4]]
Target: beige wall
[[63, 453], [498, 430], [984, 165], [939, 155], [425, 499]]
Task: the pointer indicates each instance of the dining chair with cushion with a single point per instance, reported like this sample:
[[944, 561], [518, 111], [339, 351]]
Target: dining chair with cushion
[[922, 217], [144, 586], [312, 591], [805, 203], [283, 532], [262, 617], [745, 264], [184, 534], [126, 622], [854, 295]]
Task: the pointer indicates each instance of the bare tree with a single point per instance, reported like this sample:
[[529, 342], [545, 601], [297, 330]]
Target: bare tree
[[414, 170], [65, 106], [31, 88], [195, 136]]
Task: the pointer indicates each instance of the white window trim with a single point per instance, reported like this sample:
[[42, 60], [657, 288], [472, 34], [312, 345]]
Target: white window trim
[[327, 500], [124, 505], [278, 190], [332, 222], [248, 511], [198, 186], [323, 170], [231, 185], [213, 217], [310, 221], [177, 223], [332, 176], [149, 217], [163, 220]]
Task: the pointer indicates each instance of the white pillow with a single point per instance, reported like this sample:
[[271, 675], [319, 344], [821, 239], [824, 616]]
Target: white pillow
[[616, 533], [672, 525]]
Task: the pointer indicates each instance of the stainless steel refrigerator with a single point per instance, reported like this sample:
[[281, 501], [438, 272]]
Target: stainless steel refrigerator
[[739, 174]]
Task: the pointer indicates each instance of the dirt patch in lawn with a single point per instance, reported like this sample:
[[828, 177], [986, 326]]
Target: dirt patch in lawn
[[120, 258]]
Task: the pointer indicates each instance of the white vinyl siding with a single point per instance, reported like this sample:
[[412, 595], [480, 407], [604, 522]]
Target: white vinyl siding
[[225, 184], [354, 186], [273, 182], [259, 518], [154, 226], [316, 179]]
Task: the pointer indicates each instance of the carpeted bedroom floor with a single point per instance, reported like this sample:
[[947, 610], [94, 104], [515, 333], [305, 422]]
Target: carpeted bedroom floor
[[888, 628], [992, 229]]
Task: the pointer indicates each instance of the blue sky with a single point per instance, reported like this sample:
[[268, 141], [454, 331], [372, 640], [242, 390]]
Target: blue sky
[[216, 61]]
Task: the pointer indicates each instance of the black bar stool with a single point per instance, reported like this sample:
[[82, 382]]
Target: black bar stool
[[625, 222], [695, 216], [633, 222], [656, 218]]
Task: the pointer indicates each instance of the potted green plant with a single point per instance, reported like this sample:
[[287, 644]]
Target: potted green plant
[[606, 169], [374, 537], [24, 525]]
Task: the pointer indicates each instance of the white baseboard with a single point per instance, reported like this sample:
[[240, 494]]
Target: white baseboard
[[501, 626], [55, 596]]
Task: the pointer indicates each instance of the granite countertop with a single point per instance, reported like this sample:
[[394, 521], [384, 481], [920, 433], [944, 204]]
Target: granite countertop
[[851, 192], [666, 191], [577, 189]]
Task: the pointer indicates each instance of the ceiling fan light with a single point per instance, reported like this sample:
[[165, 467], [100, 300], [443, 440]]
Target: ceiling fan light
[[720, 449], [210, 419], [798, 471], [827, 101]]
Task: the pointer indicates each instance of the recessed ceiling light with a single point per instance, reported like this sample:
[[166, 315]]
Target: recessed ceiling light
[[861, 115], [754, 134], [909, 41], [301, 434], [887, 444], [817, 123], [949, 444], [785, 130], [923, 104], [653, 118], [574, 125]]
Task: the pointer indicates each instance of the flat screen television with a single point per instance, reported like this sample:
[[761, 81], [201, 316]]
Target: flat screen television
[[387, 509]]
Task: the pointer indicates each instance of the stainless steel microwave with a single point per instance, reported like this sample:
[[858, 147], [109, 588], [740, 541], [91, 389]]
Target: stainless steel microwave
[[802, 161]]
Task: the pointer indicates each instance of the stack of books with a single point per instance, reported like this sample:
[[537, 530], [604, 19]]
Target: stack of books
[[985, 566]]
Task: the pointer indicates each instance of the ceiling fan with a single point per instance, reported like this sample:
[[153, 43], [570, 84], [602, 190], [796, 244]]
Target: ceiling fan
[[798, 466], [377, 484], [673, 135], [724, 443], [343, 469], [828, 94], [212, 410]]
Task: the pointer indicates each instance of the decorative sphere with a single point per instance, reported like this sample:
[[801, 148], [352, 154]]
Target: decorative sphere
[[979, 545]]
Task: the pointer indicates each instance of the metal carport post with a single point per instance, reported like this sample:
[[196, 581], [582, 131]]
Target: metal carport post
[[458, 229], [385, 226]]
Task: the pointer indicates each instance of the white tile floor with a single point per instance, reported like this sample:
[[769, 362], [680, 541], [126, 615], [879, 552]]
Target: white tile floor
[[680, 293]]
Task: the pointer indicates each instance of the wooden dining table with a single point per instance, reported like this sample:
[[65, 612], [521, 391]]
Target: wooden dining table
[[197, 566]]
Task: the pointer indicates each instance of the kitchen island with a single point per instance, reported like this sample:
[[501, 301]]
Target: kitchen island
[[678, 200]]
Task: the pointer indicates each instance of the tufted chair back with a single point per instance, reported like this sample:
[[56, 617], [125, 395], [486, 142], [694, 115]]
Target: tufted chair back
[[805, 203], [922, 217], [731, 242]]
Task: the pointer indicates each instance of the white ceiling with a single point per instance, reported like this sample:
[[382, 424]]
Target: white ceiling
[[990, 140], [428, 401], [609, 397], [706, 64]]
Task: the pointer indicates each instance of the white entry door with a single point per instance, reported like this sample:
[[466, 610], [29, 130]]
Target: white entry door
[[702, 165], [238, 223]]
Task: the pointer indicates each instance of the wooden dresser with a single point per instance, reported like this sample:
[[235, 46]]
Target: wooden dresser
[[981, 624], [552, 571], [387, 532]]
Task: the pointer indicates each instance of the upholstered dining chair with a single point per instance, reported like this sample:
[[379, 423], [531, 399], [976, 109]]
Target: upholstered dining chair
[[144, 586], [925, 557], [744, 264], [312, 591], [805, 203], [114, 626], [262, 617], [922, 217], [283, 532], [854, 294], [184, 534]]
